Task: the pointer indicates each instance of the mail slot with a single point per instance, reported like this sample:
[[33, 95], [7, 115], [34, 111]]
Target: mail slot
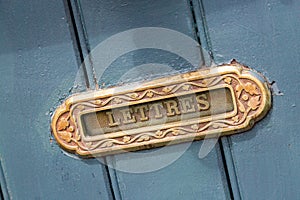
[[179, 108], [206, 103]]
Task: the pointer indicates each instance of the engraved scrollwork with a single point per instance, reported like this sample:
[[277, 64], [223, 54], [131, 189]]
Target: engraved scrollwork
[[66, 132], [154, 92], [64, 128]]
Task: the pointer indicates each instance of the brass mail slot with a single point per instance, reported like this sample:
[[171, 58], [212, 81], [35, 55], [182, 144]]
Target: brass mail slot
[[206, 103], [164, 111]]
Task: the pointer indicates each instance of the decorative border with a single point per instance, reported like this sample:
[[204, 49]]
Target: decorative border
[[251, 95], [164, 95]]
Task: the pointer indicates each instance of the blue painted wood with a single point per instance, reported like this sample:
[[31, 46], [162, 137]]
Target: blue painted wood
[[107, 18], [264, 35], [189, 177], [38, 68], [4, 192]]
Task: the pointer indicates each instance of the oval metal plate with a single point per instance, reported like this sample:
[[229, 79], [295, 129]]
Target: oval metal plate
[[210, 102]]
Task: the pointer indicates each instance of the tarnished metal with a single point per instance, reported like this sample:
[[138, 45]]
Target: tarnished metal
[[207, 103]]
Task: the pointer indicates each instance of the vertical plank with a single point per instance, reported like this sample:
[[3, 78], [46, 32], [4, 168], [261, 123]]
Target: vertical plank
[[102, 20], [189, 177], [265, 36], [38, 69]]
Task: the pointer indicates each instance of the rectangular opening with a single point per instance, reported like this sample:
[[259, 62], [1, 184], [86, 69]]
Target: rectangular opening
[[164, 111]]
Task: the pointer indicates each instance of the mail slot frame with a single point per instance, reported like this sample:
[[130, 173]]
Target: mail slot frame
[[252, 99]]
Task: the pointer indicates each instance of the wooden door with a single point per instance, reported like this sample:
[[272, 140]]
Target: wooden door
[[42, 47]]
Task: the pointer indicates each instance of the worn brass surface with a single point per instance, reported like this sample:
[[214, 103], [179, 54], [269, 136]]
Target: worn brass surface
[[211, 102]]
